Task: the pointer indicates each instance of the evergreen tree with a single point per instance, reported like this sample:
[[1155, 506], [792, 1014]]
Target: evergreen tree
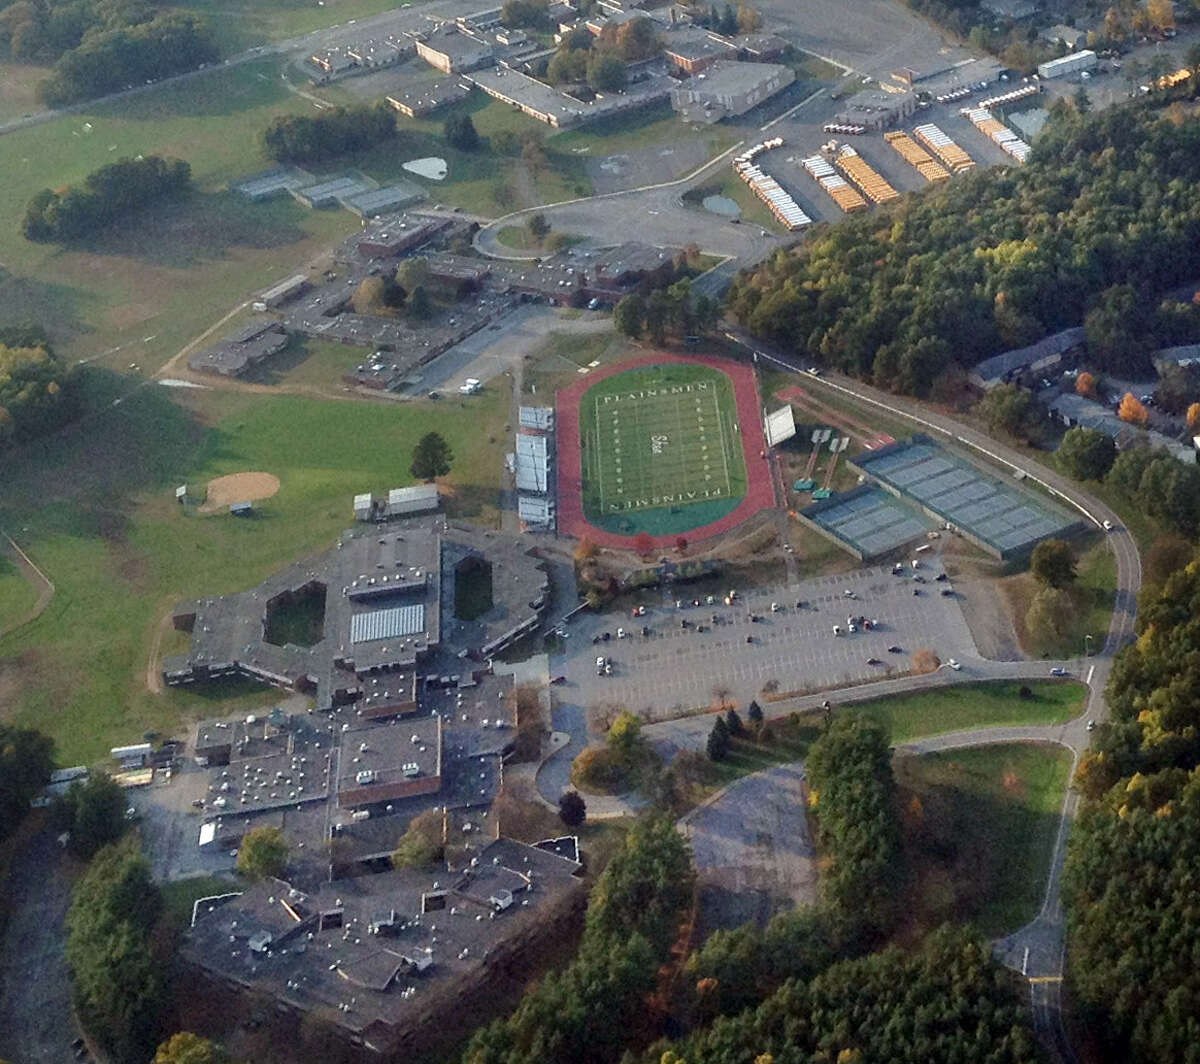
[[431, 457]]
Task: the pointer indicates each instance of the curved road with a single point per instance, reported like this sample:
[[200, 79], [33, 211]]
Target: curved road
[[1037, 950]]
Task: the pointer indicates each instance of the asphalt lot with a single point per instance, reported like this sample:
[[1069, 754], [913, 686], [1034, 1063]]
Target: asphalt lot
[[36, 1026], [675, 670], [753, 852], [502, 346]]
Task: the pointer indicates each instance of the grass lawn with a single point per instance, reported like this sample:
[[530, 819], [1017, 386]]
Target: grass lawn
[[17, 595], [974, 705], [659, 444], [650, 127], [150, 284], [908, 717], [179, 896], [980, 827], [103, 524], [481, 181], [753, 209], [556, 363], [1092, 595], [299, 620]]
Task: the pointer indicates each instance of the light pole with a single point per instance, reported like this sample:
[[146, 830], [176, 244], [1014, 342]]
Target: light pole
[[1087, 646]]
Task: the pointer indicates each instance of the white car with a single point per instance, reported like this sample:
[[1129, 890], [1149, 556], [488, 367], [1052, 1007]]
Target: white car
[[471, 386], [1108, 526], [621, 633], [956, 666]]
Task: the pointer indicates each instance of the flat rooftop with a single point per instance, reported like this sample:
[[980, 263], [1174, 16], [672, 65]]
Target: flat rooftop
[[999, 514], [373, 953]]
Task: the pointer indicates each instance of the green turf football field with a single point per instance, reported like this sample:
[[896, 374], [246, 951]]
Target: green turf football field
[[661, 448]]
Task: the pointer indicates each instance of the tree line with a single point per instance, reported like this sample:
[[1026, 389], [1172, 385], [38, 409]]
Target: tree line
[[335, 131], [66, 214], [125, 55], [1134, 853], [1155, 482], [994, 260]]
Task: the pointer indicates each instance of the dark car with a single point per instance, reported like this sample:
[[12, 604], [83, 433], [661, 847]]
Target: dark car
[[559, 679], [942, 578], [893, 649]]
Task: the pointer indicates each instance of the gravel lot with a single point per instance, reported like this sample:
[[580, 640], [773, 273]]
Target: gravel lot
[[753, 851]]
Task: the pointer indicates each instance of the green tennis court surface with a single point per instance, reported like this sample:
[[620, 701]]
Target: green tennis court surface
[[662, 451]]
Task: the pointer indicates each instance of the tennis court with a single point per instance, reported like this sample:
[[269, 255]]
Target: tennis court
[[996, 514]]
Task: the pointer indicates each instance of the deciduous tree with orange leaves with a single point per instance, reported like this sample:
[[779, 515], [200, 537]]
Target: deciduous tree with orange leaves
[[1085, 384], [1132, 411]]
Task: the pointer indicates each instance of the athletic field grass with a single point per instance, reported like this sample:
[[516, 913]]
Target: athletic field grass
[[980, 827], [95, 509], [657, 442]]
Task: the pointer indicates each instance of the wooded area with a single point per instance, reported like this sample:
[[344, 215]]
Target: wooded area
[[311, 138], [114, 190], [994, 260], [1129, 883]]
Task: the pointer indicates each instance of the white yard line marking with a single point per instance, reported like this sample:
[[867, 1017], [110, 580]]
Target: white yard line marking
[[721, 435]]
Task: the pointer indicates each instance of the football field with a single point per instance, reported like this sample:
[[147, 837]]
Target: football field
[[663, 436]]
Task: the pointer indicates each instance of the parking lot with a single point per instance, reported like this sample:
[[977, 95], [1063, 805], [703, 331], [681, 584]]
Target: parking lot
[[686, 657]]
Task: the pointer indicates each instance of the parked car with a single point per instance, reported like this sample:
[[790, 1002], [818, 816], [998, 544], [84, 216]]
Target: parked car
[[1058, 670]]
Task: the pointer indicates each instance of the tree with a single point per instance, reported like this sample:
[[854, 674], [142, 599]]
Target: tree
[[118, 965], [643, 544], [329, 133], [93, 813], [1006, 408], [26, 761], [1081, 101], [734, 723], [749, 19], [605, 73], [1119, 331], [658, 310], [431, 457], [412, 274], [538, 226], [1086, 454], [419, 305], [625, 737], [629, 315], [754, 713], [422, 843], [1133, 411], [188, 1048], [1053, 564], [263, 854], [1085, 384], [377, 296], [572, 809], [460, 133], [1050, 616], [1161, 14], [1193, 416], [718, 743]]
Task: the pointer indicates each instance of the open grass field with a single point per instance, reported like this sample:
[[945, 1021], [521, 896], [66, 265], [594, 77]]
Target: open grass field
[[98, 503], [18, 89], [17, 595], [659, 440], [979, 833], [1092, 597], [647, 128], [148, 286], [975, 705], [909, 717]]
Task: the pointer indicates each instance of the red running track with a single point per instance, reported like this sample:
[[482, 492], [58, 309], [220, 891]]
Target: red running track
[[760, 494]]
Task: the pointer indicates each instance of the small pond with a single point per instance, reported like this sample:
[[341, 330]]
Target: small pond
[[432, 167]]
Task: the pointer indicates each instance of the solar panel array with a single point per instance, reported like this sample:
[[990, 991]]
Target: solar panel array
[[998, 513], [391, 623], [871, 521]]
